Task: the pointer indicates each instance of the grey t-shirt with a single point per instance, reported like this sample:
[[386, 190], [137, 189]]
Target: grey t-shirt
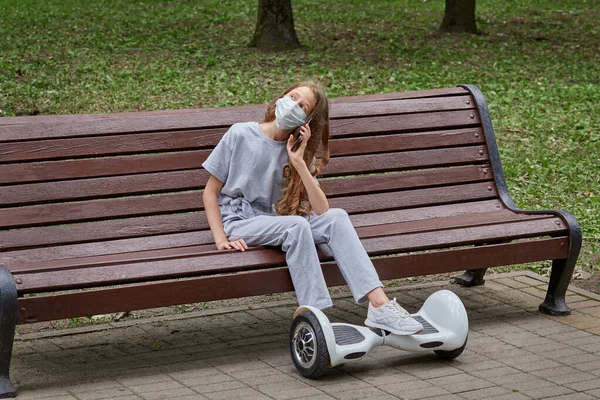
[[251, 166]]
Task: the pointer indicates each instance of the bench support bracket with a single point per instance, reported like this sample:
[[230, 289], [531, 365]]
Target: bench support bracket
[[8, 321], [474, 277], [471, 277]]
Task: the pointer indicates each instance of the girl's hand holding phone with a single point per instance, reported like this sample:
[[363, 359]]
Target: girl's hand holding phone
[[296, 146]]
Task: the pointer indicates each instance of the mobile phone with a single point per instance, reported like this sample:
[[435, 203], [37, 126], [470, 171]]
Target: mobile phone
[[299, 136]]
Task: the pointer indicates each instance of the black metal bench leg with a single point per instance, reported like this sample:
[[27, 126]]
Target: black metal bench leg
[[8, 320], [562, 271], [471, 277], [555, 303]]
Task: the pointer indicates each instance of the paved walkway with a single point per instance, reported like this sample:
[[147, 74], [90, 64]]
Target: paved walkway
[[514, 352]]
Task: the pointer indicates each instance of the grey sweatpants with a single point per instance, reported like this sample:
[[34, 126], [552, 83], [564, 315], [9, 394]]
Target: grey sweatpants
[[297, 237]]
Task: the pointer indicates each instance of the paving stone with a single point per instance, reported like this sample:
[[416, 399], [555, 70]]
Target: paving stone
[[260, 396], [510, 378], [578, 359], [358, 394], [527, 280], [190, 372], [93, 386], [584, 385], [540, 294], [385, 396], [288, 390], [243, 366], [511, 396], [485, 393], [511, 283], [595, 331], [568, 337], [595, 393], [264, 380], [355, 384], [143, 380], [573, 396], [572, 378], [421, 393], [538, 365], [104, 394], [129, 397], [169, 394], [156, 387], [401, 388], [379, 376], [460, 383], [322, 396], [232, 394], [574, 298], [215, 387], [581, 305], [592, 367], [495, 372], [555, 390], [44, 393], [534, 383], [430, 370]]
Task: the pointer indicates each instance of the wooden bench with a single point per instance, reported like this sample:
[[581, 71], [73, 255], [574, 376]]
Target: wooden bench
[[112, 204]]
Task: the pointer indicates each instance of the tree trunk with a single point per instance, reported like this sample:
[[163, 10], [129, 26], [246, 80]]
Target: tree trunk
[[459, 16], [275, 26]]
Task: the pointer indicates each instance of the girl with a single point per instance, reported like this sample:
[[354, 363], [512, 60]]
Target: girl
[[263, 191]]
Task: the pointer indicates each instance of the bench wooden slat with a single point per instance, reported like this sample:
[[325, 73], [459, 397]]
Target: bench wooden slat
[[237, 261], [102, 167], [95, 188], [339, 127], [275, 280], [52, 149], [192, 201], [414, 94], [164, 241], [388, 229], [193, 140], [187, 222], [11, 122]]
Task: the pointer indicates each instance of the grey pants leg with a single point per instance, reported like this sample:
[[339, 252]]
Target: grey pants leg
[[297, 237]]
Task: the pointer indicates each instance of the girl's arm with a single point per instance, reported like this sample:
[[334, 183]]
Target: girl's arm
[[213, 213], [316, 197]]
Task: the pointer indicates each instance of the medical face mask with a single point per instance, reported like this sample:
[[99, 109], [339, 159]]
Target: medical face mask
[[288, 113]]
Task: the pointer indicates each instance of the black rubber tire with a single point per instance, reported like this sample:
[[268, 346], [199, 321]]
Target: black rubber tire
[[321, 357], [451, 354]]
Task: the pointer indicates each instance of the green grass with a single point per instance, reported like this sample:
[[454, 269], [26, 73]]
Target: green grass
[[537, 63]]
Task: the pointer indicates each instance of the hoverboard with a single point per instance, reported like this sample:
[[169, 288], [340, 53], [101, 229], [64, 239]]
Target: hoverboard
[[317, 344]]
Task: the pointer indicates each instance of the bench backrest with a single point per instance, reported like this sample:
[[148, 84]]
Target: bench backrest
[[101, 184]]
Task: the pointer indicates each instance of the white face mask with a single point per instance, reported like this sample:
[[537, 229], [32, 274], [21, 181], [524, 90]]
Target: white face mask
[[288, 113]]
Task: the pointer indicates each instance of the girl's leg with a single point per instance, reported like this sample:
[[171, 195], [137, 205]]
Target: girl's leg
[[293, 234], [377, 297], [335, 228]]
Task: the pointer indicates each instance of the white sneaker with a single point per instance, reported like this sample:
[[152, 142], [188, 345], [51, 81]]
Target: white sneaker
[[391, 317]]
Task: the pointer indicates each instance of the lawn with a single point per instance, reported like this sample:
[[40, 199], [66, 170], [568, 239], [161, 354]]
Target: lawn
[[537, 62]]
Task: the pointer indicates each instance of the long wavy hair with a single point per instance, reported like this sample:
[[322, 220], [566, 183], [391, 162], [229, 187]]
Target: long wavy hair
[[294, 199]]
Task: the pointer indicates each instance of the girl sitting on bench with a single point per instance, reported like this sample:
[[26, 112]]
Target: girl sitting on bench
[[263, 191]]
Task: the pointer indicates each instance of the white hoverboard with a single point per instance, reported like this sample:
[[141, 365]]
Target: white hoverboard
[[317, 344]]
